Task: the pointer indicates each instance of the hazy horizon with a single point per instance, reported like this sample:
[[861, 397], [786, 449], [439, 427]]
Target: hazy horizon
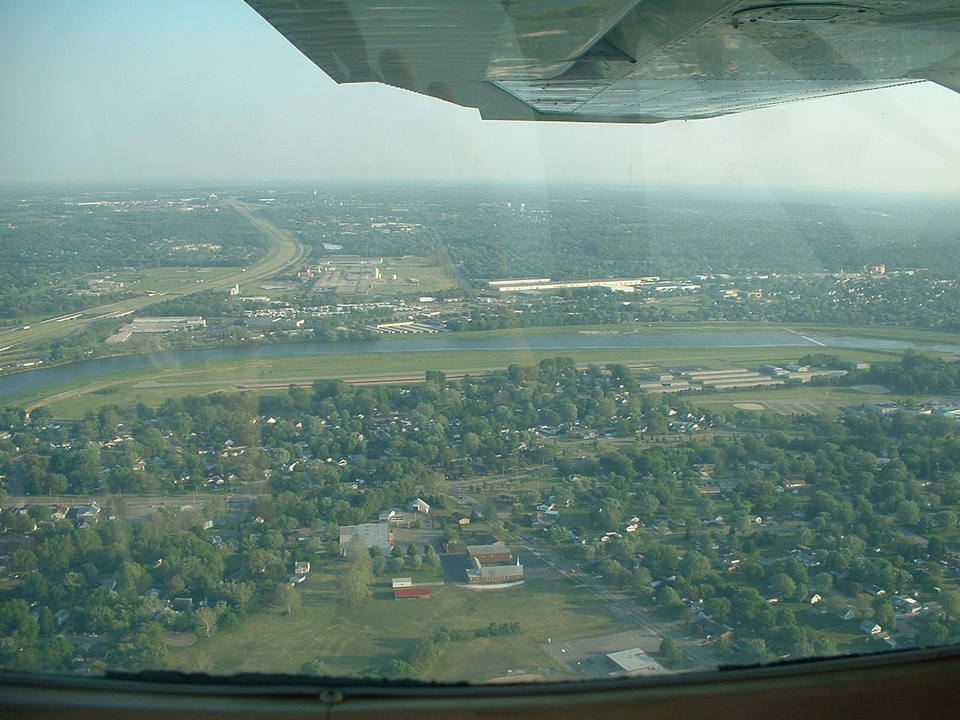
[[109, 93]]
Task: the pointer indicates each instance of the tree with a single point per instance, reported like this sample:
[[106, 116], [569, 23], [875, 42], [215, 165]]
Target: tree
[[286, 597], [884, 616], [355, 591], [932, 633], [669, 652], [718, 608], [783, 585], [206, 620], [822, 581], [431, 557], [950, 603], [668, 598]]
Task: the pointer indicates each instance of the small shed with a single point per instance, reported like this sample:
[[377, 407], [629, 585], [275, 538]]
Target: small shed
[[403, 582]]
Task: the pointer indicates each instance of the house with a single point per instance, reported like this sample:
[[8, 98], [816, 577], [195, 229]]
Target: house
[[420, 506], [711, 630], [301, 568], [847, 615], [410, 592], [182, 603], [870, 627], [87, 514], [59, 512], [460, 519], [815, 598], [906, 605]]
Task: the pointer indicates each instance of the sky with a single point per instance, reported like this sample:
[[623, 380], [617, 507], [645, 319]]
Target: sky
[[113, 92]]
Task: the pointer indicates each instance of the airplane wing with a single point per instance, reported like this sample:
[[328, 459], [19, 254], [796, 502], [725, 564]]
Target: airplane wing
[[638, 61]]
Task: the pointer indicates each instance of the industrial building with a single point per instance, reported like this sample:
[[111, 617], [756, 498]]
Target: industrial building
[[635, 662], [497, 552], [480, 573], [370, 534], [493, 564]]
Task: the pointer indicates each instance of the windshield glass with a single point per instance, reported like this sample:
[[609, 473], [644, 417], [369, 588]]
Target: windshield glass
[[342, 380]]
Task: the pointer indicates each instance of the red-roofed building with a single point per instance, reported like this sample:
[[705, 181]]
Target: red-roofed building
[[410, 592]]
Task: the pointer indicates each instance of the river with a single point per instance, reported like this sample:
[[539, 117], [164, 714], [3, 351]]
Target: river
[[33, 379]]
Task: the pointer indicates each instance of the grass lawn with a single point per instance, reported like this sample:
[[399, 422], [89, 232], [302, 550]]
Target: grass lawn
[[348, 642], [153, 385]]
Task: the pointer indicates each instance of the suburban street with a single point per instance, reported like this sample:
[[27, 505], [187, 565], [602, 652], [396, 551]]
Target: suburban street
[[541, 556]]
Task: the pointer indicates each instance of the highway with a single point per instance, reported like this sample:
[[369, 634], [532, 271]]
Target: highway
[[283, 252]]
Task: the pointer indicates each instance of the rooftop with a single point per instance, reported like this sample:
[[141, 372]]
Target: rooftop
[[636, 660]]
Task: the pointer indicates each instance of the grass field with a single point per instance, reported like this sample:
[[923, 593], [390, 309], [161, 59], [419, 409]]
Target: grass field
[[174, 280], [433, 276], [349, 642], [787, 401], [915, 335], [155, 384]]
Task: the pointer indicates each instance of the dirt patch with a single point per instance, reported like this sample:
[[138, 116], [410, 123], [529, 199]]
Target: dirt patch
[[876, 389], [749, 406], [180, 639]]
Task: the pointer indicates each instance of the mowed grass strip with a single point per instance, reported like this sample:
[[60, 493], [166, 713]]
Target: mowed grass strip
[[351, 642], [153, 385]]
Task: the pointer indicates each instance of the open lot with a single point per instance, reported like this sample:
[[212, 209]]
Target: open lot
[[350, 642], [174, 280], [432, 275], [588, 655]]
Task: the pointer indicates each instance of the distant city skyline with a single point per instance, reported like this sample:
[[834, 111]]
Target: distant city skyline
[[106, 92]]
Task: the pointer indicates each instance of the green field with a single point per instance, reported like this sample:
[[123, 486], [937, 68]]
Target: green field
[[155, 384], [916, 335], [350, 642], [433, 276], [174, 280], [787, 401]]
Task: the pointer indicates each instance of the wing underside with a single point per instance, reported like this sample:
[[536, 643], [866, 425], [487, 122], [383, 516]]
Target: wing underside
[[624, 60]]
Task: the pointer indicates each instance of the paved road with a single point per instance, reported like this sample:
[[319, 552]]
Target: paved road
[[544, 560], [622, 605]]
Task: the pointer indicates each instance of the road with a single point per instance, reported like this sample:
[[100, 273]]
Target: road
[[283, 252], [618, 603]]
